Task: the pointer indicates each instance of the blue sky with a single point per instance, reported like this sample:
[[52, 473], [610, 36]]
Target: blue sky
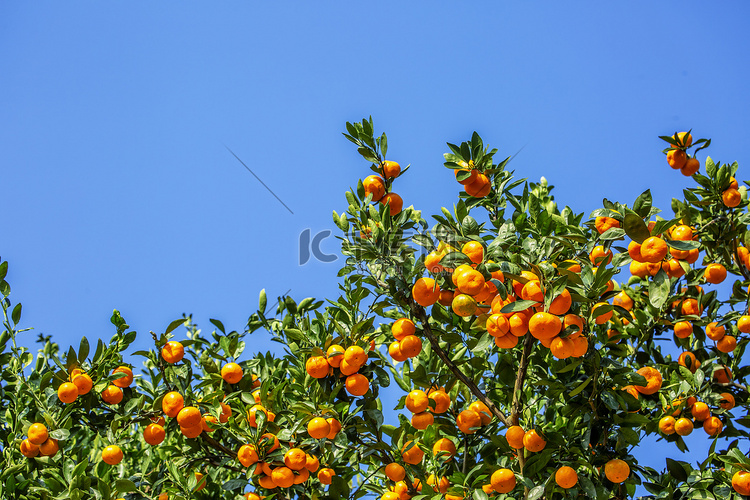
[[118, 191]]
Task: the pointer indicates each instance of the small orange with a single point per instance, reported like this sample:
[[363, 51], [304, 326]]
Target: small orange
[[666, 425], [543, 325], [402, 327], [395, 472], [49, 448], [394, 349], [604, 224], [731, 197], [727, 344], [172, 352], [689, 361], [441, 401], [683, 329], [566, 477], [681, 232], [514, 436], [600, 319], [715, 332], [599, 255], [723, 375], [484, 413], [83, 383], [226, 412], [741, 482], [335, 355], [503, 480], [410, 346], [617, 470], [445, 446], [700, 411], [357, 384], [318, 428], [422, 420], [715, 273], [471, 178], [283, 477], [464, 305], [232, 373], [497, 325], [712, 426], [416, 401], [125, 381], [425, 292], [67, 392], [29, 449], [192, 432], [395, 203], [727, 400], [467, 421], [172, 403], [683, 426], [561, 304], [312, 464], [334, 427], [743, 324], [317, 366], [374, 186], [112, 395], [411, 453], [653, 380], [533, 442], [391, 169], [325, 476], [691, 307], [692, 165], [479, 187], [684, 139], [295, 459], [653, 249], [37, 433], [474, 250], [355, 356], [112, 455], [471, 282], [153, 434], [676, 158], [189, 416]]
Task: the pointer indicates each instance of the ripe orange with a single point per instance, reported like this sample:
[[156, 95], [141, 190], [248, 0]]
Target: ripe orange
[[467, 421], [411, 453], [532, 290], [617, 470], [700, 411], [317, 366], [334, 355], [312, 463], [727, 400], [689, 361], [715, 273], [402, 327], [667, 424], [283, 477], [374, 186], [683, 426], [295, 459], [472, 175], [533, 442], [49, 448], [676, 158], [391, 169], [562, 348], [653, 380], [67, 392], [573, 320], [83, 383], [600, 256], [172, 352], [715, 332], [231, 373], [395, 203], [334, 427], [416, 401], [37, 433], [497, 325], [318, 428], [566, 477], [441, 400], [123, 381], [507, 341], [153, 434], [600, 318], [394, 349], [726, 344], [561, 304], [445, 446], [29, 449], [470, 282], [683, 329], [422, 420], [543, 325], [481, 409], [731, 197], [410, 346], [325, 476], [519, 324], [112, 455], [604, 224], [682, 232], [691, 307], [743, 324], [112, 395], [425, 292], [479, 187], [474, 250], [514, 436], [503, 480], [172, 403], [464, 305], [691, 166], [357, 384], [395, 472], [653, 249], [189, 416], [712, 426], [684, 139], [193, 431], [741, 482], [723, 375]]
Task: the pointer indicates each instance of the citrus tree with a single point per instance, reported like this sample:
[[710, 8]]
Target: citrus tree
[[529, 349]]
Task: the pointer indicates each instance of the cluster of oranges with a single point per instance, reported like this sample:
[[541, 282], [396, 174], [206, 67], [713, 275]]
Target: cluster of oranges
[[698, 411], [418, 402], [406, 344], [677, 155], [348, 362], [38, 442], [475, 183], [477, 415], [377, 186]]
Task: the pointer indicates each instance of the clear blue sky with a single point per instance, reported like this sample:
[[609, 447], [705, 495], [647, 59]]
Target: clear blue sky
[[118, 192]]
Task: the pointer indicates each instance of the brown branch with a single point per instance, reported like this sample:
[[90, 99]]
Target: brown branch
[[218, 446], [523, 365], [419, 312]]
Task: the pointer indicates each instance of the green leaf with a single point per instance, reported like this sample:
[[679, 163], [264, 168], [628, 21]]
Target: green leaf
[[536, 492], [676, 470], [59, 434], [174, 324], [658, 289], [124, 485], [218, 324], [642, 204], [3, 270], [263, 300], [580, 388], [516, 306], [16, 314], [83, 350], [635, 228]]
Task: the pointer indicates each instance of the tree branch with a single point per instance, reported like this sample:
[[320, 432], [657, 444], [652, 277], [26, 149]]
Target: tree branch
[[419, 313]]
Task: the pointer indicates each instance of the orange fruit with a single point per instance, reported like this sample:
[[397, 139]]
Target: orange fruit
[[123, 381], [112, 395], [470, 282], [562, 348], [395, 203], [391, 169], [325, 476], [561, 304], [676, 158], [83, 383], [395, 472], [543, 325], [252, 414], [514, 436], [684, 140], [208, 423], [673, 268], [189, 416], [683, 426], [666, 424], [432, 262], [467, 421], [37, 433], [357, 384], [604, 224], [712, 426], [566, 477], [49, 448], [479, 187], [317, 366], [508, 341], [295, 459], [153, 434], [334, 355], [474, 250], [689, 361], [172, 352], [600, 318], [700, 411], [481, 409], [112, 455], [318, 428], [355, 356], [67, 392], [410, 346], [532, 290], [374, 186], [497, 325], [312, 464], [715, 273], [532, 441], [394, 349], [172, 403], [600, 256], [273, 440], [334, 426], [422, 420], [653, 249], [727, 400], [441, 401], [232, 373], [29, 449], [691, 307], [681, 232], [503, 480], [445, 446], [472, 175], [283, 477], [402, 327], [634, 250], [617, 470], [411, 454], [416, 401], [438, 485], [743, 324], [741, 482], [519, 323], [731, 197], [425, 292], [573, 320], [653, 380], [193, 431], [683, 329], [580, 346], [464, 305], [691, 166], [723, 375], [226, 412], [715, 332], [726, 344], [623, 300]]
